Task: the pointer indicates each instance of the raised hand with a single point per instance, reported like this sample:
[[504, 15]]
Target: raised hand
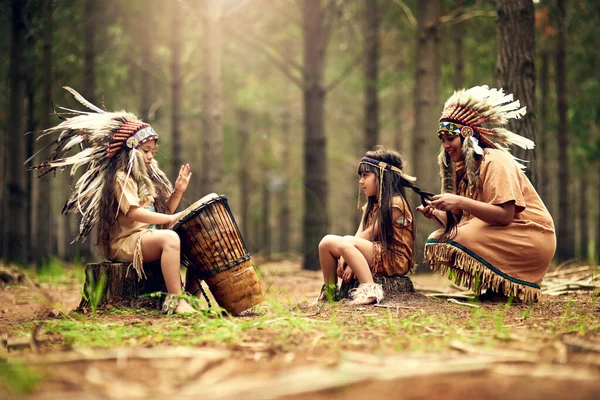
[[183, 179]]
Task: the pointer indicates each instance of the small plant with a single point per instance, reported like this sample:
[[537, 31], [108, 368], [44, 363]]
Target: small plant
[[94, 290]]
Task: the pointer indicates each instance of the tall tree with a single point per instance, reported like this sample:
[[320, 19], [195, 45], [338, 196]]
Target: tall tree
[[90, 51], [212, 134], [315, 219], [176, 88], [458, 33], [45, 237], [14, 237], [243, 126], [371, 70], [284, 197], [515, 66], [426, 95], [565, 237]]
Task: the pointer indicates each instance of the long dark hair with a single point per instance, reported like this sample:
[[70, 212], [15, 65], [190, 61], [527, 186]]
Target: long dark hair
[[393, 185], [109, 202]]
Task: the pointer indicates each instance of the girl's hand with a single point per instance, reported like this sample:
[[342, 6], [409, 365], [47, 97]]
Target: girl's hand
[[340, 267], [447, 202], [175, 218], [348, 275], [428, 211], [183, 179]]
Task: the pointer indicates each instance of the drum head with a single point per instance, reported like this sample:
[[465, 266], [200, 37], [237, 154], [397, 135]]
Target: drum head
[[203, 202]]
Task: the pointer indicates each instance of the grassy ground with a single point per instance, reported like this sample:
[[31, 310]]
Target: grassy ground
[[284, 332]]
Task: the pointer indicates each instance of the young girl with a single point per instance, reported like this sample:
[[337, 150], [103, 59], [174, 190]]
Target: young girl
[[123, 192], [383, 243], [504, 240]]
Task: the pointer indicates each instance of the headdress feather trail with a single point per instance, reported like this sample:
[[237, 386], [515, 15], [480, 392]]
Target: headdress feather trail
[[99, 136], [478, 114]]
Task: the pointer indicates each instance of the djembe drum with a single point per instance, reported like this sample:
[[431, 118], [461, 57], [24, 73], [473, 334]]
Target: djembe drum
[[212, 245]]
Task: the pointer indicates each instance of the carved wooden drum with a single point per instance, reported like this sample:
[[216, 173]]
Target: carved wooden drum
[[212, 245]]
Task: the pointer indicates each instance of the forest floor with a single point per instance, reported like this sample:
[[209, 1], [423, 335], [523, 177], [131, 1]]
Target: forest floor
[[411, 346]]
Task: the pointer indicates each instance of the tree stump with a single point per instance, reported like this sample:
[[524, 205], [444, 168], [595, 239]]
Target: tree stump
[[390, 284], [117, 284]]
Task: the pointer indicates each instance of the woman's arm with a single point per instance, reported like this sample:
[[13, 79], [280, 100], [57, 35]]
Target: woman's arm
[[150, 217], [493, 214]]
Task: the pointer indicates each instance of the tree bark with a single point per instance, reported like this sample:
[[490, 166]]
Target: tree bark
[[565, 239], [212, 135], [90, 19], [584, 237], [427, 111], [30, 189], [14, 212], [266, 217], [243, 125], [176, 89], [458, 32], [315, 218], [117, 284], [284, 198], [45, 237], [543, 155], [371, 60], [515, 67]]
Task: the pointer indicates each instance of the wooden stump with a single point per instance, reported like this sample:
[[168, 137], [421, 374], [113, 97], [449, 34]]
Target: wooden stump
[[117, 284], [391, 285]]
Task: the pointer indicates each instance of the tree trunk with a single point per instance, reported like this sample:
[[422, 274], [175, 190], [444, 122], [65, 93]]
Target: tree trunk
[[243, 126], [176, 89], [390, 284], [212, 135], [458, 32], [90, 18], [14, 212], [30, 189], [371, 60], [543, 155], [146, 61], [315, 142], [427, 111], [565, 237], [266, 217], [515, 67], [584, 215], [45, 237], [284, 197], [117, 284]]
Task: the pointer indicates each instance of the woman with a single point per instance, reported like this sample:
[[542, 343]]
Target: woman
[[497, 234]]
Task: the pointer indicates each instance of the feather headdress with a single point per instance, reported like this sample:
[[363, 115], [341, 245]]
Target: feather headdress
[[478, 115], [92, 140]]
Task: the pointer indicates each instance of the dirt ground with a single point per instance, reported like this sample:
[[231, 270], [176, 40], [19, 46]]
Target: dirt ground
[[411, 347]]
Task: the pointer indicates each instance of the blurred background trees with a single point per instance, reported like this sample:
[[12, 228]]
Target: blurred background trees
[[273, 102]]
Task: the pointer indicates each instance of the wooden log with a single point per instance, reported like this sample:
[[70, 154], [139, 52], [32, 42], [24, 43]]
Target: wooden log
[[390, 284], [117, 284]]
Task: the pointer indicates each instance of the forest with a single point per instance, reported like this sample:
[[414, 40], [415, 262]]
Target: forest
[[273, 103]]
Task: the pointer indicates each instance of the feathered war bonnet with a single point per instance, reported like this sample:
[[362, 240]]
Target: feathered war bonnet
[[478, 115], [99, 136]]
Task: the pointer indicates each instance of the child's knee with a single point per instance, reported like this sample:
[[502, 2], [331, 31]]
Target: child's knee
[[327, 241], [172, 240]]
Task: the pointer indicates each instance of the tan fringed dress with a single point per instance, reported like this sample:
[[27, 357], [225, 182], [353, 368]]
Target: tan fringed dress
[[398, 260], [126, 237], [508, 259]]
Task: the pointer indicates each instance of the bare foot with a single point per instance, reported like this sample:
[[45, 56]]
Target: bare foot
[[183, 307]]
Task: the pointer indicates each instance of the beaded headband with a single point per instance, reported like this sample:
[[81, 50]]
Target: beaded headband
[[383, 166], [132, 134]]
